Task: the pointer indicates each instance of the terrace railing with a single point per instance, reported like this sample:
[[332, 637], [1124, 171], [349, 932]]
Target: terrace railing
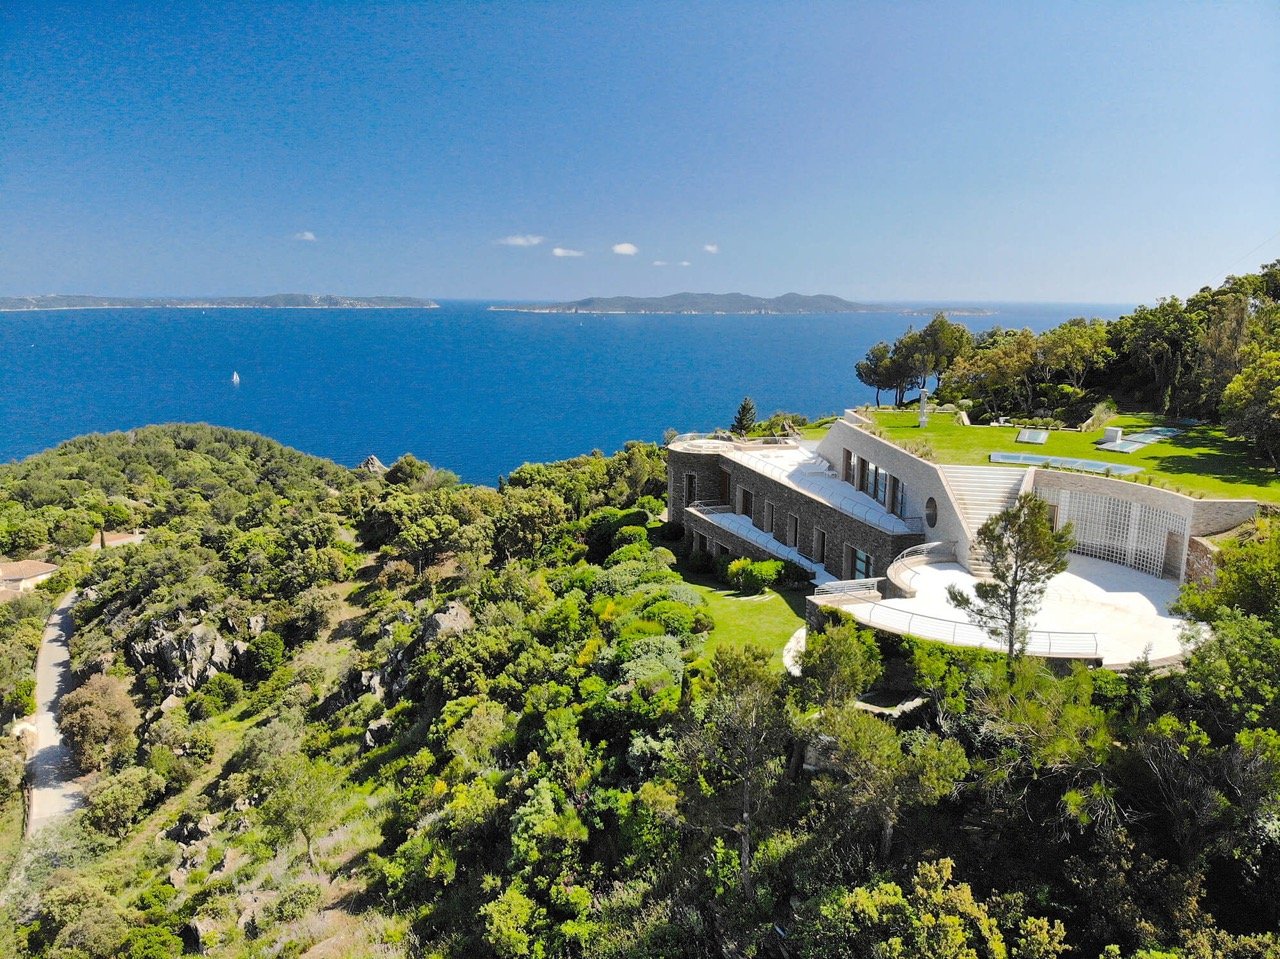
[[852, 589], [904, 569], [1048, 643], [709, 506]]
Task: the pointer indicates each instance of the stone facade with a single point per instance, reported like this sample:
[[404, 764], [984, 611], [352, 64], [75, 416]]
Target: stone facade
[[705, 470], [796, 517], [1202, 564]]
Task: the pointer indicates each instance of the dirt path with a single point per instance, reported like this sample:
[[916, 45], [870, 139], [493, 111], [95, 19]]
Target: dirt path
[[51, 771]]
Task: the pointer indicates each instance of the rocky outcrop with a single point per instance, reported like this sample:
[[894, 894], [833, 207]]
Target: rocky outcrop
[[391, 678], [185, 654], [371, 464], [378, 733]]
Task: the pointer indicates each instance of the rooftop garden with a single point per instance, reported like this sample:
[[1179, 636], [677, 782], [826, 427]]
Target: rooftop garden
[[1203, 461]]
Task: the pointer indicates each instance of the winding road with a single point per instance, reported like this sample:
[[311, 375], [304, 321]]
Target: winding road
[[51, 770]]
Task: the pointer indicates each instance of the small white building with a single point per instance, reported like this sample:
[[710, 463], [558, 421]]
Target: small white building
[[25, 575]]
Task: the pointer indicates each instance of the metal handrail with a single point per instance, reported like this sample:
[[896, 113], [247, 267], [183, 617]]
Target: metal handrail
[[902, 572], [1053, 643], [845, 587], [710, 506]]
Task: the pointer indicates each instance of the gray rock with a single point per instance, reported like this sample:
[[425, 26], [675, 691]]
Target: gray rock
[[378, 733], [185, 655], [202, 928], [454, 620]]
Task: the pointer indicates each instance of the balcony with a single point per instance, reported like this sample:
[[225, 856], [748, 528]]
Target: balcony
[[740, 526]]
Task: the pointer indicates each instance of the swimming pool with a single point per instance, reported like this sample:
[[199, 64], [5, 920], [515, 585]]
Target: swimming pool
[[1067, 463]]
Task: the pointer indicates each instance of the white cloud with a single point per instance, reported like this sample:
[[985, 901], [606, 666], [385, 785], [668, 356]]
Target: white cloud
[[659, 262], [685, 263], [522, 239], [626, 249], [712, 248], [306, 236], [561, 251]]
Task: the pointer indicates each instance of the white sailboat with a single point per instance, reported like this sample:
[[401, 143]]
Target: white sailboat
[[235, 378]]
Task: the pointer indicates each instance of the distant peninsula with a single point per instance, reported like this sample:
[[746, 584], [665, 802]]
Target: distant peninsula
[[788, 303], [277, 301]]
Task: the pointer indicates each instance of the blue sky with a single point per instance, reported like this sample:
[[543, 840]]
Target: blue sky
[[1013, 151]]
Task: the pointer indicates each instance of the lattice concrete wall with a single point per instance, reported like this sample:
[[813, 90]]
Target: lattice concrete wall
[[1122, 531]]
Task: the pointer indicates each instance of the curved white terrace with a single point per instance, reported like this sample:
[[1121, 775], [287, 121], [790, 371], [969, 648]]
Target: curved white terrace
[[1095, 609]]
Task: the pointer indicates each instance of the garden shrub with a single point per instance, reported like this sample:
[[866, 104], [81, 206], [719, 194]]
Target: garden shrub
[[117, 802], [793, 576], [295, 902], [675, 618], [219, 692], [629, 535], [626, 554]]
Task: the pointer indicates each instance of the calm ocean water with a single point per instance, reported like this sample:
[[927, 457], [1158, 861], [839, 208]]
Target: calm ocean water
[[475, 391]]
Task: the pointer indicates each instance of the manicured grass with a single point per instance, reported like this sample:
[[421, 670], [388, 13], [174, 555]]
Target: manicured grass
[[768, 620], [817, 430], [1203, 461]]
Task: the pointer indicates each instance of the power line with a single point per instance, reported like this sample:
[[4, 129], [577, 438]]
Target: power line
[[1252, 252]]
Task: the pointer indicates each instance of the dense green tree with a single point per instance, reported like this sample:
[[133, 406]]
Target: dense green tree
[[934, 917], [1246, 578], [1251, 405], [524, 521], [1075, 349], [1023, 552], [876, 775], [1232, 678], [875, 369], [1162, 339], [302, 796], [945, 342], [115, 803], [98, 721], [745, 418], [733, 754]]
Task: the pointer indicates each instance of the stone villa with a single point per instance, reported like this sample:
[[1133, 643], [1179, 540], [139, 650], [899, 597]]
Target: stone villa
[[884, 532]]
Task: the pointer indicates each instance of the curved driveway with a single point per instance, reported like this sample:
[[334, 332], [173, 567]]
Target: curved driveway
[[51, 771]]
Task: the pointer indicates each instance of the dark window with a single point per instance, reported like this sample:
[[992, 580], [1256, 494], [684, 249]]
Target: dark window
[[768, 517], [931, 512], [846, 469], [819, 546], [690, 488], [857, 564], [748, 503], [793, 529]]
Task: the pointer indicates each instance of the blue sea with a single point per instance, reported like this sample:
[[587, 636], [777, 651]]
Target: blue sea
[[473, 390]]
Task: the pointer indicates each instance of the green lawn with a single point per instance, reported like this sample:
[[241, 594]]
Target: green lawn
[[1203, 461], [768, 620]]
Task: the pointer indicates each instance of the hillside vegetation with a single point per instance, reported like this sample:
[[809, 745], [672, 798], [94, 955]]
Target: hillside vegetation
[[323, 713]]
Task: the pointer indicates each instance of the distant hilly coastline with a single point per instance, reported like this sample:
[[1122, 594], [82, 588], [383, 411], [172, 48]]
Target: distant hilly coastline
[[278, 301], [787, 304]]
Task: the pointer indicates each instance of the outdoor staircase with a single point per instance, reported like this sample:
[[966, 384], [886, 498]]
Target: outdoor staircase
[[981, 492]]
